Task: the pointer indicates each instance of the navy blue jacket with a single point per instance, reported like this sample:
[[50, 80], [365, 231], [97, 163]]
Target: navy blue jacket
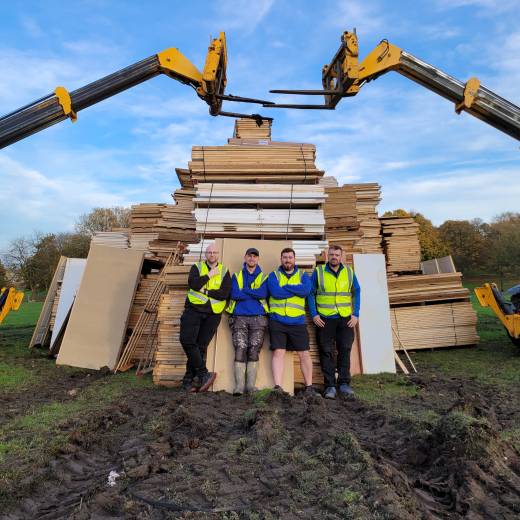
[[247, 299]]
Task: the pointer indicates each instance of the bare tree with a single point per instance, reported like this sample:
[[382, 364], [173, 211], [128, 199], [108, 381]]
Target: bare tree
[[103, 219]]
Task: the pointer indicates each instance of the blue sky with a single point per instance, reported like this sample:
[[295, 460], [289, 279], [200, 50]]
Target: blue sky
[[124, 150]]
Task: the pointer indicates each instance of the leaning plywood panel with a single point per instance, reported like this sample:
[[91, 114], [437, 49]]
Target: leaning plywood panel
[[98, 320], [375, 330], [222, 361], [69, 287]]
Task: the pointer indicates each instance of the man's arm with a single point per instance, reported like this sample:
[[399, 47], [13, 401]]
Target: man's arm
[[280, 293], [311, 299], [236, 293], [259, 294], [225, 289], [356, 294], [195, 281], [302, 289]]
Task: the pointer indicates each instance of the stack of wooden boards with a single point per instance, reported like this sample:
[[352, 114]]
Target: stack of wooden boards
[[401, 244], [112, 238], [252, 129], [157, 228], [431, 311], [351, 219]]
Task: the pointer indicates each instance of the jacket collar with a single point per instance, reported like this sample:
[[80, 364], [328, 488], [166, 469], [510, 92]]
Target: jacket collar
[[255, 273], [330, 270], [282, 270]]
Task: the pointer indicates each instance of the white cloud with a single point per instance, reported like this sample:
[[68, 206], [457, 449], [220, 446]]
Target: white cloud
[[242, 15]]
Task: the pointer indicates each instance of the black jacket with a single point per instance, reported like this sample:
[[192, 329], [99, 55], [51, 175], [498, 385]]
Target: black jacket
[[196, 282]]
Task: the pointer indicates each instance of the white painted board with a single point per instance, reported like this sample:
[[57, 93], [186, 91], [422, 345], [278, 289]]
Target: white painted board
[[69, 287], [375, 329]]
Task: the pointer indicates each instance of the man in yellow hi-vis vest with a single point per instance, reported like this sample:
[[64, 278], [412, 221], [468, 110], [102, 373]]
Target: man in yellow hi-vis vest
[[288, 287], [209, 285], [334, 306], [248, 320]]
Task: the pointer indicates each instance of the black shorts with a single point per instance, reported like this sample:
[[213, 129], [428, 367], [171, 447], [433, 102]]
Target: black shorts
[[288, 337]]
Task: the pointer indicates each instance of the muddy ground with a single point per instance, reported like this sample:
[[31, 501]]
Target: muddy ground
[[436, 452]]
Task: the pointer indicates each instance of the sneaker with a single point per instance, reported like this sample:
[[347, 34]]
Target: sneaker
[[207, 380], [187, 385], [310, 391], [330, 393], [345, 389], [278, 390]]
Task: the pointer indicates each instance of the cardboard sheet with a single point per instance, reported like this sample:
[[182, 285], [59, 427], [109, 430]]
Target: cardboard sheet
[[221, 354], [375, 330], [69, 287], [97, 324]]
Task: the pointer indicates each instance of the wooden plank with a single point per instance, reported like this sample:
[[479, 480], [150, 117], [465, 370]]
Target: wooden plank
[[98, 320]]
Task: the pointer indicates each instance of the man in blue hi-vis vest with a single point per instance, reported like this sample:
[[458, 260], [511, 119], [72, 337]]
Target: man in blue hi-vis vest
[[334, 304]]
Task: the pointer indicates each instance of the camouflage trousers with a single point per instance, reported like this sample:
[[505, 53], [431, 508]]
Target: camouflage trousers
[[248, 336]]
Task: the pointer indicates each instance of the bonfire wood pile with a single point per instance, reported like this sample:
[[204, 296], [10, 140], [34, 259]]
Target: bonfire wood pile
[[351, 219], [401, 244]]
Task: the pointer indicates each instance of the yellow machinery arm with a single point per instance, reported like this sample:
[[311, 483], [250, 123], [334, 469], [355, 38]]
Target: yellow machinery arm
[[209, 85], [489, 296], [10, 300], [345, 75]]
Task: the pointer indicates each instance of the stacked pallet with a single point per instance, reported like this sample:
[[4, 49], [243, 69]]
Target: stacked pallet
[[273, 162], [111, 238], [351, 219], [401, 244], [408, 289], [157, 228], [434, 326], [251, 129], [170, 360]]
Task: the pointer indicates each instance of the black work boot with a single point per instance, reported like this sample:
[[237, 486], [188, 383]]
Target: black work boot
[[206, 381]]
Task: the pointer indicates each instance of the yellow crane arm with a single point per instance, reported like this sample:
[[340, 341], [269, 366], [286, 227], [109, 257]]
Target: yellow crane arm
[[10, 300]]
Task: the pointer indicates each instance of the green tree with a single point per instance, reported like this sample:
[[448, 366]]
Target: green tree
[[3, 275], [103, 219], [396, 213], [467, 243]]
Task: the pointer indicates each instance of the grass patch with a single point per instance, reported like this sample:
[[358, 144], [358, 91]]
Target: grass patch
[[377, 389], [26, 316], [14, 377]]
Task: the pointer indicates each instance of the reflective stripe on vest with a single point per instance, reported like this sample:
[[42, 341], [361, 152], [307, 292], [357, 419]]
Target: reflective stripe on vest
[[199, 298], [334, 294], [293, 306], [258, 281]]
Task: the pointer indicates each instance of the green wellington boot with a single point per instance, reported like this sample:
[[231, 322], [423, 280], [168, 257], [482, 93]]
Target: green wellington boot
[[252, 369], [240, 378]]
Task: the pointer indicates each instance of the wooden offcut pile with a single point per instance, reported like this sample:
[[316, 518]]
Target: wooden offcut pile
[[351, 218], [401, 244]]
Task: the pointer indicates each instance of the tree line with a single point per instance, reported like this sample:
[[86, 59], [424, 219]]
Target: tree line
[[477, 247], [30, 261]]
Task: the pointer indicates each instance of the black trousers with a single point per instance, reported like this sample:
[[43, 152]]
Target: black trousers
[[197, 330], [336, 335]]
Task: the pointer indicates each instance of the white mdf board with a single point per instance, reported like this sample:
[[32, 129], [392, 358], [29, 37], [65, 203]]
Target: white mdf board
[[375, 329], [97, 324], [69, 287]]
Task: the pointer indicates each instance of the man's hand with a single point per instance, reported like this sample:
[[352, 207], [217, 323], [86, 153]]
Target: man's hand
[[318, 321], [353, 321], [213, 272]]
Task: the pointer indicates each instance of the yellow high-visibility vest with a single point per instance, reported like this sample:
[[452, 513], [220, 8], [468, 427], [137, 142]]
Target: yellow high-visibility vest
[[199, 298], [258, 281], [334, 294], [293, 306]]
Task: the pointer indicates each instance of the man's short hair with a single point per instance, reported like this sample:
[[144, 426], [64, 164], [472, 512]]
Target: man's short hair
[[336, 247], [287, 250]]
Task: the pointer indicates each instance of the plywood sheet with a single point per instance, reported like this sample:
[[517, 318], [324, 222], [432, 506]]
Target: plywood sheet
[[375, 330], [98, 320], [221, 355], [69, 287]]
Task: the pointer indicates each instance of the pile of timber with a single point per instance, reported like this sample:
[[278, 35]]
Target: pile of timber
[[401, 244], [407, 289], [157, 228], [251, 129], [112, 238], [434, 326], [431, 311], [351, 219], [170, 360]]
